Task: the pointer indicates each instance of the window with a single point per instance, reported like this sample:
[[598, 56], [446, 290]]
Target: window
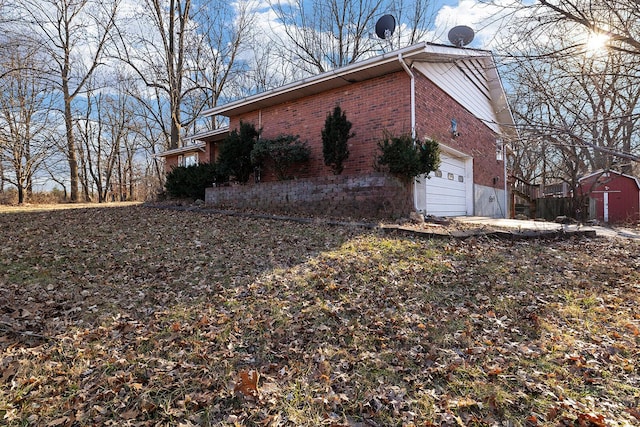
[[188, 159], [438, 173], [450, 176], [460, 178], [499, 150], [191, 159]]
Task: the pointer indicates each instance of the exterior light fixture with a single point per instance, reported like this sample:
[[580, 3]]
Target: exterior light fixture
[[454, 128]]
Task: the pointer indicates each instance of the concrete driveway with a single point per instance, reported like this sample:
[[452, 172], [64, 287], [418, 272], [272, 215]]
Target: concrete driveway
[[531, 225]]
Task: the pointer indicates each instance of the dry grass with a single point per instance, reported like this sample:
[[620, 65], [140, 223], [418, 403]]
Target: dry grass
[[137, 316]]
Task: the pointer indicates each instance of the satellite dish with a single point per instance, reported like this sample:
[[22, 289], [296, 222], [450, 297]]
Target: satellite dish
[[385, 26], [461, 35]]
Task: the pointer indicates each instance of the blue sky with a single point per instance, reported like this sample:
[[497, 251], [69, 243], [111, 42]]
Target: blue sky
[[480, 17]]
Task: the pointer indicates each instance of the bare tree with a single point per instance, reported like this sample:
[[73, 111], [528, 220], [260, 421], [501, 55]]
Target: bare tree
[[75, 35], [615, 18], [540, 23], [149, 127], [223, 33], [577, 103], [319, 36], [99, 138], [157, 52], [414, 18], [323, 35], [185, 53], [25, 118]]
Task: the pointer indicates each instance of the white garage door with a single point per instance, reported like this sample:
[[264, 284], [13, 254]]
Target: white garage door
[[446, 190]]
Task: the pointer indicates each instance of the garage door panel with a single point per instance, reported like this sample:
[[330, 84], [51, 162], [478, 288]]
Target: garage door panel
[[456, 170], [446, 189]]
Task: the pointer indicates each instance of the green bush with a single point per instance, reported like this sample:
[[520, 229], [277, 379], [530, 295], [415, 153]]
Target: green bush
[[234, 160], [335, 136], [407, 158], [190, 181], [283, 152]]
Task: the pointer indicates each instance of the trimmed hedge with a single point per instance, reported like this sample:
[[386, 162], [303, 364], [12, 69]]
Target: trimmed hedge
[[190, 181], [407, 158]]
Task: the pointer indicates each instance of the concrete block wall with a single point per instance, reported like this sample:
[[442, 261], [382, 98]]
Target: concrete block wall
[[374, 196]]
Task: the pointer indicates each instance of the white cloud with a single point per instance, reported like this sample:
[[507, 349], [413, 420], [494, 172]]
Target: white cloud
[[485, 19]]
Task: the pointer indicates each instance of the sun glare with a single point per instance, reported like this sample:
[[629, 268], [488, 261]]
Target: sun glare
[[596, 42]]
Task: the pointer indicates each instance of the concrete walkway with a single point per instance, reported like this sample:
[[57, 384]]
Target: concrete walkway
[[531, 225]]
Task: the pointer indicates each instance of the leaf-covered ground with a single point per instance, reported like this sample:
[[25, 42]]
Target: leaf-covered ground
[[144, 317]]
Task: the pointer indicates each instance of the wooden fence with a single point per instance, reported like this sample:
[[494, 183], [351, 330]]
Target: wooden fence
[[550, 208]]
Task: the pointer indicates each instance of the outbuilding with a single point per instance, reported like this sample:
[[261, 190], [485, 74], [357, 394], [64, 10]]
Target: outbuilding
[[614, 197]]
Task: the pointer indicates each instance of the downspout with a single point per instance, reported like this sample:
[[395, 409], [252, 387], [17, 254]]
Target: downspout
[[507, 206], [413, 117], [413, 95]]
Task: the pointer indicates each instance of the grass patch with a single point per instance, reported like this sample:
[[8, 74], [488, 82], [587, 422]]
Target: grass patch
[[131, 315]]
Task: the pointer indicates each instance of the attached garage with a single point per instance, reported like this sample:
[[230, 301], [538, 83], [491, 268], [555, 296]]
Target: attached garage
[[449, 190]]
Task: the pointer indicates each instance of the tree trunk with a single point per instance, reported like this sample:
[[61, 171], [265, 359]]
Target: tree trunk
[[71, 144]]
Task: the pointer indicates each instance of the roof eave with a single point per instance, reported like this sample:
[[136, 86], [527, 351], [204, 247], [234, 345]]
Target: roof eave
[[358, 71], [602, 171], [209, 135], [201, 146]]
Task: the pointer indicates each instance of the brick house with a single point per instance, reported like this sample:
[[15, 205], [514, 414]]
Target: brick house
[[449, 94], [201, 148]]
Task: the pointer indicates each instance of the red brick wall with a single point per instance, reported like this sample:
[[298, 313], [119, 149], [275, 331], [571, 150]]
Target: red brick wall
[[372, 107], [375, 106], [373, 195], [170, 162], [434, 111]]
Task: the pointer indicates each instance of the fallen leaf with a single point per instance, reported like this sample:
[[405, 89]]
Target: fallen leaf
[[131, 414], [633, 328], [10, 371], [591, 420], [532, 420], [247, 383], [494, 372], [58, 422], [634, 412]]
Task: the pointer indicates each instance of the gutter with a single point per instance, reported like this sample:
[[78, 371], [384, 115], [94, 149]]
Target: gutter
[[342, 73], [185, 149]]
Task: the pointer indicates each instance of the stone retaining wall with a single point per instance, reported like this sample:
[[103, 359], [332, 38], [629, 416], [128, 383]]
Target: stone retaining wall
[[375, 195]]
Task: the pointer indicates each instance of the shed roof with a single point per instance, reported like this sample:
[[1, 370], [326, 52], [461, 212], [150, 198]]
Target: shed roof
[[600, 172]]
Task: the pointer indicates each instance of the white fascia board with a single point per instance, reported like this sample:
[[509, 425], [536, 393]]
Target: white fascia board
[[201, 146], [207, 134], [419, 51]]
